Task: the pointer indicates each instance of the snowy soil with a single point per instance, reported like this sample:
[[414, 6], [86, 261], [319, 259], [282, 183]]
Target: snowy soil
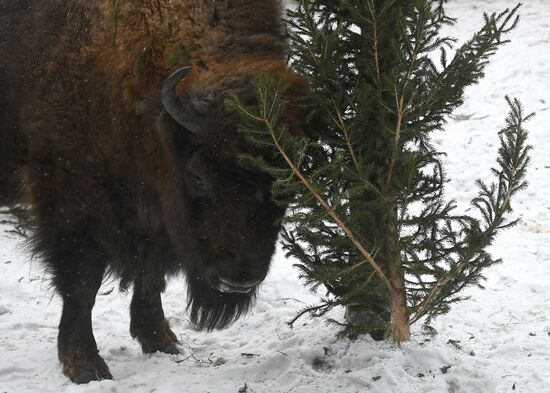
[[498, 341]]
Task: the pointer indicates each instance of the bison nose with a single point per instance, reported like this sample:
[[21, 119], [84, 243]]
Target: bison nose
[[230, 286]]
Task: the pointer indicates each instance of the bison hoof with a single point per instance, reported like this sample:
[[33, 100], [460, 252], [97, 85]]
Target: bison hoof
[[169, 348], [84, 371], [165, 342], [157, 339]]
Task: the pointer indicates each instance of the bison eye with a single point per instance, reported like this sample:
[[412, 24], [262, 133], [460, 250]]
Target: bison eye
[[198, 182], [197, 187]]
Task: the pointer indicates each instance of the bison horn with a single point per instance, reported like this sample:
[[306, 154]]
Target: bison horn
[[175, 106]]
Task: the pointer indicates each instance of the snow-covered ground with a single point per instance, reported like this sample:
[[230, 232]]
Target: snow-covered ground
[[498, 341]]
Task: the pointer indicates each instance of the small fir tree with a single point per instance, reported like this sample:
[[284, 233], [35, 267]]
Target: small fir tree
[[368, 219]]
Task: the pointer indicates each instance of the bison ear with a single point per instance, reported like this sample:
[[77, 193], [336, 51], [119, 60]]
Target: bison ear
[[179, 107]]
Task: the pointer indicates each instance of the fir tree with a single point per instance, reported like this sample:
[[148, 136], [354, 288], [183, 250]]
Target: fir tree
[[368, 219]]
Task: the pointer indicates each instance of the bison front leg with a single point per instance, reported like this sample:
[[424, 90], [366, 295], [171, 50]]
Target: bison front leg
[[78, 282], [148, 324]]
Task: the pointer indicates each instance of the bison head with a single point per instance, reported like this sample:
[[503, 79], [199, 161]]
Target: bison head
[[219, 214]]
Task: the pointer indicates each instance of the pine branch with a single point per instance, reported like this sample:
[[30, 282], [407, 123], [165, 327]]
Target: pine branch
[[375, 41], [513, 160], [267, 120], [339, 120], [19, 220], [320, 309]]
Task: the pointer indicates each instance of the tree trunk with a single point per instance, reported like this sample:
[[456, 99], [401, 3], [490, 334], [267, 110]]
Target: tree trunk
[[397, 294], [398, 301]]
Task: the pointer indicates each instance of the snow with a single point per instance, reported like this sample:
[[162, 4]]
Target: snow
[[497, 341]]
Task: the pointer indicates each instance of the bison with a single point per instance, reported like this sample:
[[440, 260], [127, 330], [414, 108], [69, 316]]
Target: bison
[[114, 130]]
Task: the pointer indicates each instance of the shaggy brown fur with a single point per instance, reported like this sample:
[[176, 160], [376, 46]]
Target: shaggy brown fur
[[115, 183]]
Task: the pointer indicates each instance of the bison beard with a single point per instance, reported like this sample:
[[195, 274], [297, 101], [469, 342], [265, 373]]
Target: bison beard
[[210, 309], [115, 155]]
